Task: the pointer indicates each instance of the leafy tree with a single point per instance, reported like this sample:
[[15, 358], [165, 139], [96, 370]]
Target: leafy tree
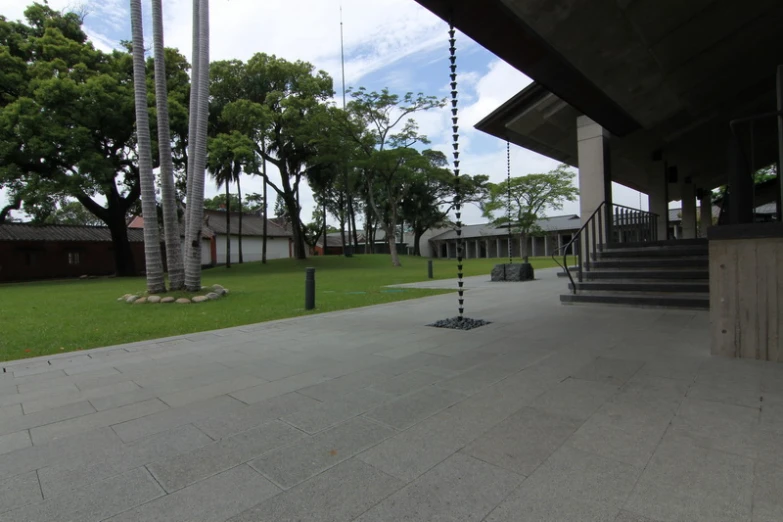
[[253, 203], [67, 121], [388, 159], [72, 213], [530, 196], [283, 110]]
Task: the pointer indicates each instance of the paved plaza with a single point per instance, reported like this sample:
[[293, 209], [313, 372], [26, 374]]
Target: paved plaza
[[551, 413]]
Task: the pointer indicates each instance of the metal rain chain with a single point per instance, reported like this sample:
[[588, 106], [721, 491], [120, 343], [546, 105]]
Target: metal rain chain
[[460, 322], [508, 198]]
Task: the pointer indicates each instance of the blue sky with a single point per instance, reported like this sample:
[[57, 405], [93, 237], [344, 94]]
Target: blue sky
[[388, 43]]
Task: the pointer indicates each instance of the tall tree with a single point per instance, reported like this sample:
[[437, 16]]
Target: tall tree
[[283, 109], [530, 196], [196, 174], [152, 255], [72, 213], [389, 159], [171, 232]]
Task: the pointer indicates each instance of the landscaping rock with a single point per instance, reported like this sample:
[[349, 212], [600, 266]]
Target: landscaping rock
[[225, 291], [456, 323], [154, 299], [513, 272], [182, 300], [131, 298], [213, 296], [85, 276], [141, 300], [167, 300], [217, 288], [200, 299]]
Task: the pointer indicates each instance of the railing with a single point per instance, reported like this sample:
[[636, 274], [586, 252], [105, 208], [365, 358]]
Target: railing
[[615, 224]]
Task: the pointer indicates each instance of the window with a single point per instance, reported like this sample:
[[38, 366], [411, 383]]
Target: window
[[73, 258]]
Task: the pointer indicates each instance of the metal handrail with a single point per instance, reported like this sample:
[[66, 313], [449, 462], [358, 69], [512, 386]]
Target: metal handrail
[[644, 223]]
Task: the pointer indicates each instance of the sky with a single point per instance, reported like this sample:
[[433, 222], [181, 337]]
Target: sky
[[388, 43]]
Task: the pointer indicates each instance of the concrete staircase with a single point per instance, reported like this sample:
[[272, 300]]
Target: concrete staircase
[[672, 274]]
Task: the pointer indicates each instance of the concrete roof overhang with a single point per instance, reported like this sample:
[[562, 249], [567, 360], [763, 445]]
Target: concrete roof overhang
[[661, 75]]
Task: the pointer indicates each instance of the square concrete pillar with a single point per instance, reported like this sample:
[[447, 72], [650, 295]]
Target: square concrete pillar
[[658, 187], [705, 212], [688, 191], [595, 173], [497, 248], [477, 248]]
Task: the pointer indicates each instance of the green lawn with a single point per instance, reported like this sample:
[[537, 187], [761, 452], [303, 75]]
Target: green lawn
[[59, 316]]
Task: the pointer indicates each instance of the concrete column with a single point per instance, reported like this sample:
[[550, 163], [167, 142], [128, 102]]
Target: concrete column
[[486, 248], [497, 247], [478, 248], [559, 244], [533, 250], [595, 174], [688, 191], [658, 187], [546, 246], [705, 212]]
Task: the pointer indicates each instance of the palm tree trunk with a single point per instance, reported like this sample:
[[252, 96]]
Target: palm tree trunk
[[153, 260], [228, 225], [326, 243], [266, 207], [192, 126], [170, 223], [239, 197], [352, 211], [196, 203]]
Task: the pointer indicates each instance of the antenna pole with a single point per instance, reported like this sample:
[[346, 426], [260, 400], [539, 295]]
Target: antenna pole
[[342, 53]]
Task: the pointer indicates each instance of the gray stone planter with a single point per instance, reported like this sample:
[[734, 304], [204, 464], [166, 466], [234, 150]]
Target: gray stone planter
[[513, 272]]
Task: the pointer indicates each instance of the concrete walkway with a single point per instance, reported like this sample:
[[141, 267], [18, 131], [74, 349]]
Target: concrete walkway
[[551, 413]]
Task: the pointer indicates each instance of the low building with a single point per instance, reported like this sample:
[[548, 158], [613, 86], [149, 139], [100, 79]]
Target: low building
[[29, 252], [279, 243], [487, 240]]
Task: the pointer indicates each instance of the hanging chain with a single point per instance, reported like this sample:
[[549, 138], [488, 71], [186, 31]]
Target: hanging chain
[[457, 193], [508, 200]]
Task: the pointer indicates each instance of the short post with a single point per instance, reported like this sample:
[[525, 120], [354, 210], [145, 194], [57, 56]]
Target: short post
[[309, 288], [429, 268]]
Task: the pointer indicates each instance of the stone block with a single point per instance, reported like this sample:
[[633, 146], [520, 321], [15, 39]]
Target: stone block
[[283, 386], [209, 391], [406, 383], [60, 399], [19, 491], [14, 441], [335, 388], [96, 502], [188, 468], [58, 478], [523, 441], [460, 488], [608, 370], [340, 493], [289, 465], [41, 418], [575, 398], [570, 485], [723, 483], [173, 417], [327, 414], [100, 419], [410, 409], [212, 500], [233, 422], [513, 272]]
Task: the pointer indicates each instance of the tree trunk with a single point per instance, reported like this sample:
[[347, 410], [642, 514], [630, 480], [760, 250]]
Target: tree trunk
[[239, 197], [153, 260], [352, 218], [266, 207], [192, 125], [326, 242], [524, 250], [171, 232], [124, 263], [228, 226], [196, 201], [417, 235], [391, 238]]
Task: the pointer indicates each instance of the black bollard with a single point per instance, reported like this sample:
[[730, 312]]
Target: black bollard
[[309, 288], [429, 268]]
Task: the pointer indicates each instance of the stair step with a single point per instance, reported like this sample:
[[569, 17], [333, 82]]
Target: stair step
[[686, 262], [700, 302], [633, 275], [641, 286], [651, 244], [653, 252]]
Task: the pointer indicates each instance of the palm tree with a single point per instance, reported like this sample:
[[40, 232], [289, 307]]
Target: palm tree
[[222, 173], [174, 259], [154, 262], [199, 152], [236, 175]]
